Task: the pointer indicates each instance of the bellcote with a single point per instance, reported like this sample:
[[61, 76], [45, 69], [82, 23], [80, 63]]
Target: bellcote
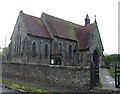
[[87, 20]]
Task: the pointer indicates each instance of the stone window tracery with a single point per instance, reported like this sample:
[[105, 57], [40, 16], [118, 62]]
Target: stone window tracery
[[34, 49], [17, 48], [46, 50], [60, 48], [70, 51]]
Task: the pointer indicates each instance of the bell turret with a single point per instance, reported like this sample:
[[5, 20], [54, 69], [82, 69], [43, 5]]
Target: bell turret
[[87, 20]]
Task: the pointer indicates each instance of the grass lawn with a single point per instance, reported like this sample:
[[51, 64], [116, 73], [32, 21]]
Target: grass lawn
[[14, 85], [112, 72], [99, 85]]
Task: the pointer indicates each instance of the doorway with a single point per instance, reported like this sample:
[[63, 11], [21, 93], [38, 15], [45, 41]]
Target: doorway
[[96, 66], [94, 69]]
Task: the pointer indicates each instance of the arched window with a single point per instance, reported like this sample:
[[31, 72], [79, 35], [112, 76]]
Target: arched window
[[46, 50], [34, 49], [96, 57], [17, 48], [19, 45], [70, 51], [60, 48], [81, 58]]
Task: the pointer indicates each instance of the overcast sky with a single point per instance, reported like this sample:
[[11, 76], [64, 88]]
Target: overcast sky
[[106, 12]]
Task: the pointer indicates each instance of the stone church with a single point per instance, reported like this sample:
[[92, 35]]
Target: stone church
[[51, 40]]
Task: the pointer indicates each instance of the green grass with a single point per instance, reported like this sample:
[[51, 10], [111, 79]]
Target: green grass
[[112, 72], [24, 87], [99, 85], [28, 89]]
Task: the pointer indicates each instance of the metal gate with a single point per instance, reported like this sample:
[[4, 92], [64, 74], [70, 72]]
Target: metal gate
[[94, 75], [94, 70], [117, 75]]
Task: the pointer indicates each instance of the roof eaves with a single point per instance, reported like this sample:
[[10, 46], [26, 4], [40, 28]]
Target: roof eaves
[[38, 36], [86, 49], [65, 38]]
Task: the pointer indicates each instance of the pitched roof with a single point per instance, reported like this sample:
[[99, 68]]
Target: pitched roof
[[83, 35], [60, 27], [36, 26]]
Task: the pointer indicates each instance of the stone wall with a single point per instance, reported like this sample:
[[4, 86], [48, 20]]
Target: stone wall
[[96, 43], [20, 30], [66, 60], [68, 76], [40, 50], [82, 58]]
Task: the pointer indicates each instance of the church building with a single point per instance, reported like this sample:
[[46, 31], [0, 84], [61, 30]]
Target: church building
[[53, 51], [52, 40]]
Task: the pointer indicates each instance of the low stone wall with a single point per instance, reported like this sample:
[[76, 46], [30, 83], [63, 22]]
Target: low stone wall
[[68, 76]]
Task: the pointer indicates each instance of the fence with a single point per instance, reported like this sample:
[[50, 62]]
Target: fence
[[117, 75]]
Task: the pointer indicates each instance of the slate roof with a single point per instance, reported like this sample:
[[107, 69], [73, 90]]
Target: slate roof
[[36, 26], [60, 28], [83, 35]]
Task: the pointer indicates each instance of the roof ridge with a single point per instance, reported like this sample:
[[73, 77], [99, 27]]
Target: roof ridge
[[31, 15], [35, 26], [61, 19], [85, 26]]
